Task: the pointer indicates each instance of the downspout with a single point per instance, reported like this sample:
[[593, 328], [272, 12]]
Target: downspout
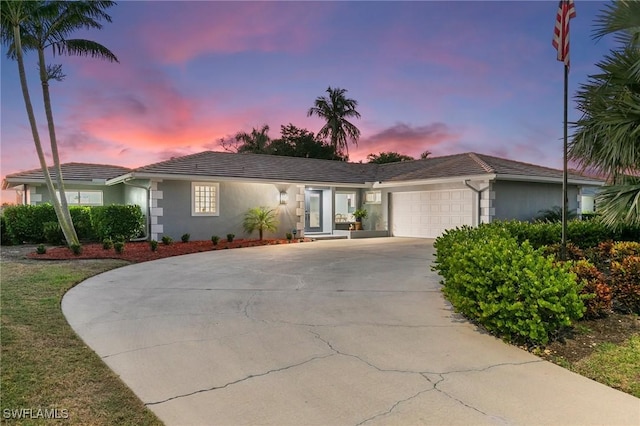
[[478, 193], [147, 225]]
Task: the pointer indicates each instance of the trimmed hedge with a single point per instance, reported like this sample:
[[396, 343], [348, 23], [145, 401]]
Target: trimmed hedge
[[26, 223], [508, 287]]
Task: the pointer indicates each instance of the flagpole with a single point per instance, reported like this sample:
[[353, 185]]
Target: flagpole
[[565, 197]]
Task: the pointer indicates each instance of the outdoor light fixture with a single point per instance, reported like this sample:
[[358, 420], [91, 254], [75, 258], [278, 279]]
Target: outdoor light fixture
[[284, 197]]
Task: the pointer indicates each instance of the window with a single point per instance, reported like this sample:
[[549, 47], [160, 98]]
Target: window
[[204, 199], [373, 197], [83, 198], [345, 205]]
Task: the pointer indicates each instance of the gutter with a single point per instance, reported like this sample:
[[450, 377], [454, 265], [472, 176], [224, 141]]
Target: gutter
[[147, 226], [479, 196]]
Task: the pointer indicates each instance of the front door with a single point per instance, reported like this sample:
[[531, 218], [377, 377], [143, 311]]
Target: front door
[[313, 210]]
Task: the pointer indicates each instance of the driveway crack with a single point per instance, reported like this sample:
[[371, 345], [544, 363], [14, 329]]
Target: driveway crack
[[251, 376]]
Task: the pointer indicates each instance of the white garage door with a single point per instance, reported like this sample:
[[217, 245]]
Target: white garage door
[[427, 214]]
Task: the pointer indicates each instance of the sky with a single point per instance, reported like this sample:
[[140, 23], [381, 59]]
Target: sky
[[448, 77]]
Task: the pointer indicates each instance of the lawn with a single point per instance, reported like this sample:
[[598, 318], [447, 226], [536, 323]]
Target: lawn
[[46, 370]]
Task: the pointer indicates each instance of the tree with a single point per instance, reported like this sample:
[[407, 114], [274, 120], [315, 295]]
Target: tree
[[39, 25], [255, 142], [607, 135], [425, 154], [260, 219], [296, 142], [336, 109], [388, 157]]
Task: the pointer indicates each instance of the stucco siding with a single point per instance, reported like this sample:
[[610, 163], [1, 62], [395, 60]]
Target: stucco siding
[[525, 200], [235, 198]]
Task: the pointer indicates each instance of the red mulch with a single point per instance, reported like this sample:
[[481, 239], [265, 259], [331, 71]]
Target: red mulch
[[141, 251]]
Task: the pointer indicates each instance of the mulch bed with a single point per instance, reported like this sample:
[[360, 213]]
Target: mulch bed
[[141, 251]]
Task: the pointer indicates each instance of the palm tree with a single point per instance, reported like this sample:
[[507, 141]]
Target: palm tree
[[607, 136], [255, 142], [260, 219], [40, 25], [336, 110]]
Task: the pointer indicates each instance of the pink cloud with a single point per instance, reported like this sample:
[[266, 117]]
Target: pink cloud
[[200, 28]]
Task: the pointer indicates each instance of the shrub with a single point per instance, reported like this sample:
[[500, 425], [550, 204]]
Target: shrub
[[215, 239], [107, 244], [41, 249], [52, 233], [5, 237], [623, 249], [185, 238], [76, 249], [509, 288], [25, 222], [81, 217], [166, 240], [573, 251], [230, 237], [153, 244], [119, 247], [596, 293], [110, 221], [289, 236], [625, 284]]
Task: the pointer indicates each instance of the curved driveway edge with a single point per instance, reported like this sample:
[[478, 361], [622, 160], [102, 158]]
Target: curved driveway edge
[[342, 332]]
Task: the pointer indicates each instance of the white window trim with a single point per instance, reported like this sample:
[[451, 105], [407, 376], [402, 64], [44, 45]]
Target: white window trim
[[193, 198]]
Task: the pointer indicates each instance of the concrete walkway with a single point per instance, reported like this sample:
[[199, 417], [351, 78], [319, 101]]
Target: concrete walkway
[[343, 332]]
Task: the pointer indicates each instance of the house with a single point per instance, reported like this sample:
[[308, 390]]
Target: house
[[208, 193]]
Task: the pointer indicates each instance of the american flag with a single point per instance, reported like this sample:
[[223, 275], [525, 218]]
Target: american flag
[[566, 11]]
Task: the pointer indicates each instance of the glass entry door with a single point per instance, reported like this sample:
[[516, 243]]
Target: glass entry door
[[313, 210]]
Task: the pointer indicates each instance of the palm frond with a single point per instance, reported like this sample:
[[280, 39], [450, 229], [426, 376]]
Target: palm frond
[[619, 205], [78, 47]]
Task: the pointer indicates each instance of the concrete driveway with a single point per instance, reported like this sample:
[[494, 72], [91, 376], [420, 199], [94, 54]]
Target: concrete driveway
[[345, 332]]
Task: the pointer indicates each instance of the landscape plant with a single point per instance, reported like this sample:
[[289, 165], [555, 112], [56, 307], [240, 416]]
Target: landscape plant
[[260, 219], [119, 247], [153, 244], [230, 237], [215, 239], [185, 238], [625, 284], [76, 249], [41, 249], [508, 287], [107, 244], [166, 240]]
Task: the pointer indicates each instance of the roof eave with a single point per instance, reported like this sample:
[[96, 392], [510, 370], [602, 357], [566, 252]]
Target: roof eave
[[548, 179], [212, 178], [432, 181]]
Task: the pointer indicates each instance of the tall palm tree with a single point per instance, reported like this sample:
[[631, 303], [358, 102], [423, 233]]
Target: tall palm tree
[[607, 136], [47, 24], [336, 109], [255, 142]]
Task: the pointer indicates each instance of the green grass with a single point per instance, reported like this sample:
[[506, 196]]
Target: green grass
[[44, 364], [617, 366]]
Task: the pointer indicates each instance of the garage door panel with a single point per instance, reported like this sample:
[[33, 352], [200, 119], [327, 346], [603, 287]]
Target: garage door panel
[[428, 214]]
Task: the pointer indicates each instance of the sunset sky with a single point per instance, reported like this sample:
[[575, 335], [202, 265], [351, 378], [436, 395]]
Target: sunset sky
[[448, 77]]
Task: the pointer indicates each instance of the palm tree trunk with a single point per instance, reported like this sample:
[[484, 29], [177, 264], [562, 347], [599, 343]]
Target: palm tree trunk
[[67, 228], [34, 127]]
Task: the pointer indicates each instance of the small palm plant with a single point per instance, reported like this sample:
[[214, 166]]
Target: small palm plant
[[260, 219]]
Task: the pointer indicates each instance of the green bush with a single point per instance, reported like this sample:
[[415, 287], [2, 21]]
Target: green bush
[[153, 244], [76, 249], [107, 244], [126, 221], [5, 237], [166, 240], [25, 223], [215, 239], [52, 233], [81, 217], [230, 237], [509, 288], [185, 238], [119, 247], [41, 249]]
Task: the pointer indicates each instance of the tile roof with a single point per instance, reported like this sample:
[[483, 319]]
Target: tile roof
[[74, 172], [296, 169], [259, 166]]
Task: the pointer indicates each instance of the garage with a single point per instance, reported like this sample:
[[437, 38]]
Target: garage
[[427, 214]]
